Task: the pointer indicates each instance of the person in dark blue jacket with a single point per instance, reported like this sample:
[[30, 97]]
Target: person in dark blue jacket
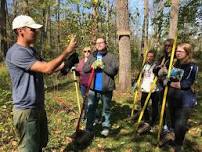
[[181, 98]]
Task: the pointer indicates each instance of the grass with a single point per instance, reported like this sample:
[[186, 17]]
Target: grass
[[63, 114]]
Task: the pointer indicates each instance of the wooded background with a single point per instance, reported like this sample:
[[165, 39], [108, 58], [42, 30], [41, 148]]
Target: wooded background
[[131, 27], [128, 29]]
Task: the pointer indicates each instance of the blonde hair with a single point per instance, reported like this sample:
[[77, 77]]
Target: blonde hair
[[87, 49], [189, 51]]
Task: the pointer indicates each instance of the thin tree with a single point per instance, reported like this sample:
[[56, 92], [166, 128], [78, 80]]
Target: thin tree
[[158, 22], [3, 34], [107, 3], [144, 42], [122, 18], [95, 17], [58, 25], [173, 19]]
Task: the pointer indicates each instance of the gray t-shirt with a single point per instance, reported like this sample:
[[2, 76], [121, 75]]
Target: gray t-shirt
[[27, 86]]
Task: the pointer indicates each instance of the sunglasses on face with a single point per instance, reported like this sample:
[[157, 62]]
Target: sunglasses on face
[[99, 42], [31, 29], [167, 45], [87, 51]]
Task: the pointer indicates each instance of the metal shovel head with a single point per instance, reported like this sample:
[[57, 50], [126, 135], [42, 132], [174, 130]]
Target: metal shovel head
[[81, 137], [144, 128]]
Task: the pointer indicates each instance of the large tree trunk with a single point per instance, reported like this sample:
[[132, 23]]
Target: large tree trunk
[[124, 45], [3, 34], [173, 19]]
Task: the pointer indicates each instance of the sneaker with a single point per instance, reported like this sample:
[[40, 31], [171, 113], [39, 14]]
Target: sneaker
[[96, 122], [165, 128], [145, 127], [105, 132]]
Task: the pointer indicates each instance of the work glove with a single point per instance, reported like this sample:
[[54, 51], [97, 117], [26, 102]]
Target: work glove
[[97, 64], [73, 69], [166, 82], [163, 72], [69, 63]]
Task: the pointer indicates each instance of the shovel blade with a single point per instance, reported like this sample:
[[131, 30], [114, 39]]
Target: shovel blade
[[82, 137]]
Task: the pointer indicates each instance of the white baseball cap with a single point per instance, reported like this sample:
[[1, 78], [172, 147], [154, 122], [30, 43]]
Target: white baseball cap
[[24, 21]]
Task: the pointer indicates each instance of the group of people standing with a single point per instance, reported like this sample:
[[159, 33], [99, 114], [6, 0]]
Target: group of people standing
[[26, 71], [105, 66], [180, 98]]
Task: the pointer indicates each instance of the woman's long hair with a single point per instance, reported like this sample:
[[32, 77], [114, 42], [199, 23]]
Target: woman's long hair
[[189, 51], [168, 44]]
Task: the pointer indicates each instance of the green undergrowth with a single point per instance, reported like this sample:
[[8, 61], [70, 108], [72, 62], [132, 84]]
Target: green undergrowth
[[62, 111]]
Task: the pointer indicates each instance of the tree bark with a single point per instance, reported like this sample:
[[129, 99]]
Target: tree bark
[[95, 21], [3, 34], [58, 26], [124, 45], [158, 23], [144, 43], [173, 19], [107, 20]]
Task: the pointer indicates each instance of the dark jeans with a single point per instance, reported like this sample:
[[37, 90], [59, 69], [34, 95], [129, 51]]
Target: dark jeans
[[155, 99], [93, 99], [178, 115], [83, 90]]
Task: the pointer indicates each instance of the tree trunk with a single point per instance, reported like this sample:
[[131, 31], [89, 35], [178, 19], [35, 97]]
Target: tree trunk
[[3, 34], [107, 20], [15, 7], [49, 31], [158, 23], [173, 19], [144, 43], [43, 32], [58, 26], [124, 45], [95, 21]]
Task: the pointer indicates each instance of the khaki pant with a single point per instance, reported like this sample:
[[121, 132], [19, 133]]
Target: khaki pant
[[31, 129]]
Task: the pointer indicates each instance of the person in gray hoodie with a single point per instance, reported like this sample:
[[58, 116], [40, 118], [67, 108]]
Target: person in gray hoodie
[[105, 65]]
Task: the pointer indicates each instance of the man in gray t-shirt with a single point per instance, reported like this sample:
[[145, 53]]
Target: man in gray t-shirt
[[26, 71], [26, 93]]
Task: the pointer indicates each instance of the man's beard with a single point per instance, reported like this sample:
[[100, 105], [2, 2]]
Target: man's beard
[[103, 50]]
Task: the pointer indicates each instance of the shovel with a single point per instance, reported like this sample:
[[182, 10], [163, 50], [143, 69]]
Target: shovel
[[77, 90], [77, 136]]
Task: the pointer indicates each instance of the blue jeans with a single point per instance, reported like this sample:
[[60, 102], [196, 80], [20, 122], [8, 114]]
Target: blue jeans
[[93, 99], [83, 90]]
